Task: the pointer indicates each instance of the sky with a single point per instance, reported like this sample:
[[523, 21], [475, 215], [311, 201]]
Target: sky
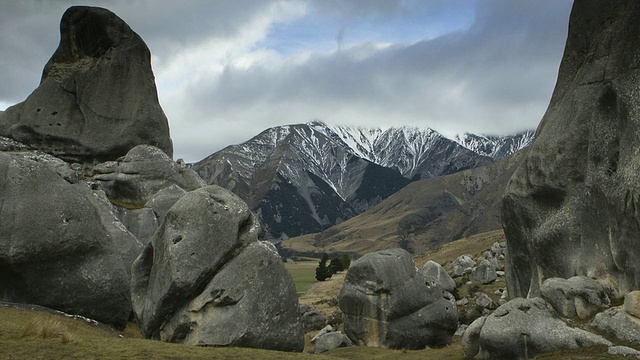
[[228, 69]]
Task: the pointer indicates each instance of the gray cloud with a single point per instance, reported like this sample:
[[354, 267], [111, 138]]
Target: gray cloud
[[495, 77]]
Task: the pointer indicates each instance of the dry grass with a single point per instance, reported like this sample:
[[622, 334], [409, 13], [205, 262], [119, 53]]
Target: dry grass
[[46, 326]]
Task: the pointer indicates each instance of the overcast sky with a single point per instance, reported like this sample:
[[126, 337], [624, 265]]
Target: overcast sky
[[228, 69]]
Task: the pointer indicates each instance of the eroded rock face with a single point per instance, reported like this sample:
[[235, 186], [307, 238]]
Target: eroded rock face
[[60, 245], [97, 98], [577, 297], [135, 178], [572, 207], [386, 303], [205, 279]]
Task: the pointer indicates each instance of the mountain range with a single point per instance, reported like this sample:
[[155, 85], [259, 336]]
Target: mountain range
[[305, 178]]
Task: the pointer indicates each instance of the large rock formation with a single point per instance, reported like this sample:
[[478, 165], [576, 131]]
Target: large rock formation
[[97, 98], [386, 303], [573, 206], [60, 245], [205, 279]]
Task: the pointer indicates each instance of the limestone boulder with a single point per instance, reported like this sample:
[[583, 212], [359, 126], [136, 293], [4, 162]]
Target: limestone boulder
[[61, 246], [386, 303], [521, 329], [632, 303], [572, 206], [97, 98], [434, 273], [135, 178], [577, 297], [205, 279], [330, 341], [485, 273], [617, 322]]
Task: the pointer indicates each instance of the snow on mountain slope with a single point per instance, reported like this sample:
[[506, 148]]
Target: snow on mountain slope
[[495, 147]]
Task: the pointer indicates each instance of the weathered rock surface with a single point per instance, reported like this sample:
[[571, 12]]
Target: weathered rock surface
[[434, 273], [522, 328], [579, 296], [330, 341], [386, 303], [618, 323], [135, 178], [205, 279], [60, 245], [632, 303], [97, 98], [485, 273], [313, 319], [572, 207]]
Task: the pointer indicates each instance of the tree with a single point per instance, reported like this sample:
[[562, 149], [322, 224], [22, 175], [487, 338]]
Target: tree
[[322, 271], [336, 265]]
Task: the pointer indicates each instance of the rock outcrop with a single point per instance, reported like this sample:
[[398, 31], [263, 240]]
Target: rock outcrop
[[573, 205], [386, 303], [205, 279], [97, 98], [60, 244], [434, 273], [577, 297]]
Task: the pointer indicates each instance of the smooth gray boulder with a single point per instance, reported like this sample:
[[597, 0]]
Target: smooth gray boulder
[[60, 245], [133, 180], [164, 199], [521, 329], [386, 303], [571, 208], [313, 320], [205, 279], [577, 297], [97, 98], [330, 341], [435, 274], [617, 322]]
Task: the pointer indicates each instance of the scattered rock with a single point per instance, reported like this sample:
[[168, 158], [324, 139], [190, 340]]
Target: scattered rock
[[204, 270], [483, 273], [465, 262], [579, 296], [313, 319], [623, 350], [521, 329], [386, 303], [462, 302], [97, 97], [436, 275], [330, 341], [324, 330], [484, 302], [461, 329]]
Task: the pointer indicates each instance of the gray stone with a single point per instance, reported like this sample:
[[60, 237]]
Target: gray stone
[[483, 273], [461, 329], [618, 323], [330, 341], [60, 244], [435, 274], [579, 296], [572, 206], [324, 330], [456, 271], [386, 303], [204, 271], [498, 248], [466, 262], [97, 97], [164, 199], [484, 301], [313, 320], [521, 329], [251, 302], [134, 179], [462, 302]]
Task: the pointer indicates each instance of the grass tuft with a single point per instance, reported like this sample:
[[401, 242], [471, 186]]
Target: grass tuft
[[46, 327]]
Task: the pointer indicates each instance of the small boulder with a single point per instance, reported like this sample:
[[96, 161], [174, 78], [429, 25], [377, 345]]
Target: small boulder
[[619, 323], [330, 341], [435, 274], [577, 297], [324, 330], [313, 319], [484, 273], [632, 303], [483, 301]]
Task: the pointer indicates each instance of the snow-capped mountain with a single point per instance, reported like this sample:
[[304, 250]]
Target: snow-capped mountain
[[495, 147], [307, 177]]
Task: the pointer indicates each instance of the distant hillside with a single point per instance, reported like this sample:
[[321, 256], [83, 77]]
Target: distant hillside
[[305, 178], [423, 215]]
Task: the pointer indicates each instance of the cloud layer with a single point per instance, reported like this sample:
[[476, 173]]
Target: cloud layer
[[228, 69]]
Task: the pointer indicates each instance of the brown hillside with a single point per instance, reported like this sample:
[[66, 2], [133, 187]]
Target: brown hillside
[[421, 216]]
